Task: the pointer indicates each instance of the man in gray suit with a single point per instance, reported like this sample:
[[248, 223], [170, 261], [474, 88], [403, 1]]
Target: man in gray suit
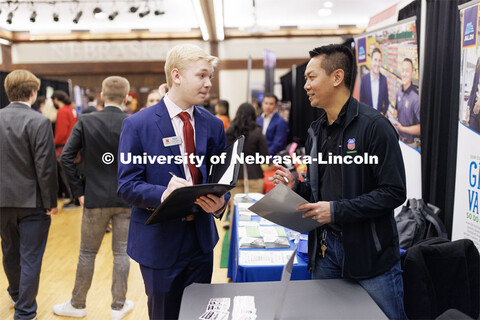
[[28, 190], [98, 134]]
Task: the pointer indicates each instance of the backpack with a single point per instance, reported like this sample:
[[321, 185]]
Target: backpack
[[418, 221]]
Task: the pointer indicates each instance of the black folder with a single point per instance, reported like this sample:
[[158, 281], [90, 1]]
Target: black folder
[[221, 179]]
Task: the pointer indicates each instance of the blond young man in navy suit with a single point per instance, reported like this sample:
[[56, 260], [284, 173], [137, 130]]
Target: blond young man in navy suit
[[174, 253]]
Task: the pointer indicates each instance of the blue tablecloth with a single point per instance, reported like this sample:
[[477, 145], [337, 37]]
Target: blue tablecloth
[[240, 273]]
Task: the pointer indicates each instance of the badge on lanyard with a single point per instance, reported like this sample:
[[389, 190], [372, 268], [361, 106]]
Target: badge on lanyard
[[172, 141]]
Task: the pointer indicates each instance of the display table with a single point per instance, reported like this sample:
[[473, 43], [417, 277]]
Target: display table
[[312, 299], [249, 273]]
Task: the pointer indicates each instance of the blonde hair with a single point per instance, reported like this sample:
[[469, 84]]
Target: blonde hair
[[115, 89], [182, 55], [19, 85]]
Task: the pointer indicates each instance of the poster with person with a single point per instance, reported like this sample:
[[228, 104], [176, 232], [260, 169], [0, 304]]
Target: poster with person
[[388, 80], [467, 185]]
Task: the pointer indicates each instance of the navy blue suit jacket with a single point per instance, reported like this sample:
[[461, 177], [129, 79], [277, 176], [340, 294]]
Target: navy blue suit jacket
[[142, 186], [366, 92], [277, 133]]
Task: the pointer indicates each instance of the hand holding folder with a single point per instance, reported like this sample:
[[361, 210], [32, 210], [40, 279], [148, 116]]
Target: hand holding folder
[[222, 178]]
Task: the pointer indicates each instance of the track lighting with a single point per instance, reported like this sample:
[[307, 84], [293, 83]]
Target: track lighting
[[55, 17], [9, 18], [133, 9], [113, 15], [33, 16], [99, 14], [159, 12], [144, 13], [77, 17]]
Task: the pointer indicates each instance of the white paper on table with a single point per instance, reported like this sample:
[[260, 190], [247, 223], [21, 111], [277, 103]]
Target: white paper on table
[[242, 232], [248, 224], [268, 231], [264, 258], [279, 206]]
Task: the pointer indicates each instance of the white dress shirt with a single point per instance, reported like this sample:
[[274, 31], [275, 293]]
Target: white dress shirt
[[375, 85], [173, 112]]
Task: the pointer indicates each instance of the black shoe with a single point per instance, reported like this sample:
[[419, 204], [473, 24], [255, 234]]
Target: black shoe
[[70, 205]]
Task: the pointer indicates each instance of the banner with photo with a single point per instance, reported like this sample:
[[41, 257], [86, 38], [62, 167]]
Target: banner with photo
[[467, 184], [388, 80]]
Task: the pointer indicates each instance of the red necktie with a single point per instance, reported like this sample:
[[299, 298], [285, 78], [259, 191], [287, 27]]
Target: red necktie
[[189, 145]]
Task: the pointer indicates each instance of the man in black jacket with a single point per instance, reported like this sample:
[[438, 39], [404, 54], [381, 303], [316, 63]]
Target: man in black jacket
[[98, 135], [354, 201]]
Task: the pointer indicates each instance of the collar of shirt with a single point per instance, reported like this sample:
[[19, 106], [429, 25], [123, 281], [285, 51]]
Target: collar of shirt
[[373, 77], [174, 110], [410, 88], [341, 116], [270, 116], [22, 102], [114, 105]]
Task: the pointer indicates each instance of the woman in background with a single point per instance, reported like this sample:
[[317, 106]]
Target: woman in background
[[255, 142]]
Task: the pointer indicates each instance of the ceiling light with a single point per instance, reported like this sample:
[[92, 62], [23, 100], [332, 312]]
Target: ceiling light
[[55, 17], [133, 9], [77, 17], [328, 4], [201, 19], [9, 18], [144, 13], [159, 12], [33, 16], [99, 14], [113, 15], [218, 10], [324, 12]]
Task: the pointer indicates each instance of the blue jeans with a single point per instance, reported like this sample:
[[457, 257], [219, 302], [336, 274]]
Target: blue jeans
[[386, 289]]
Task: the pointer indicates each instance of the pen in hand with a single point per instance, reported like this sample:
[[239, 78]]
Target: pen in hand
[[172, 174]]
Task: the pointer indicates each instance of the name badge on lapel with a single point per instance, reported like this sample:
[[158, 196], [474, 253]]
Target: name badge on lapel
[[172, 141]]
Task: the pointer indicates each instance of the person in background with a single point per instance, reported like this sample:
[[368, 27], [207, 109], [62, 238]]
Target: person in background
[[473, 103], [374, 87], [96, 134], [255, 143], [221, 111], [28, 190], [153, 98], [357, 236], [66, 119], [39, 105], [175, 253], [163, 89], [210, 102], [91, 104], [408, 108], [274, 127]]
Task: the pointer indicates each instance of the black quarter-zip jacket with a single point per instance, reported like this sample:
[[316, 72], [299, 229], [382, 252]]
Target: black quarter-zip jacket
[[370, 192]]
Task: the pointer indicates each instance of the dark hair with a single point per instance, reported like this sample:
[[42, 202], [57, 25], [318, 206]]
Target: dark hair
[[377, 50], [244, 122], [61, 96], [225, 104], [39, 102], [270, 95], [408, 60], [337, 57]]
